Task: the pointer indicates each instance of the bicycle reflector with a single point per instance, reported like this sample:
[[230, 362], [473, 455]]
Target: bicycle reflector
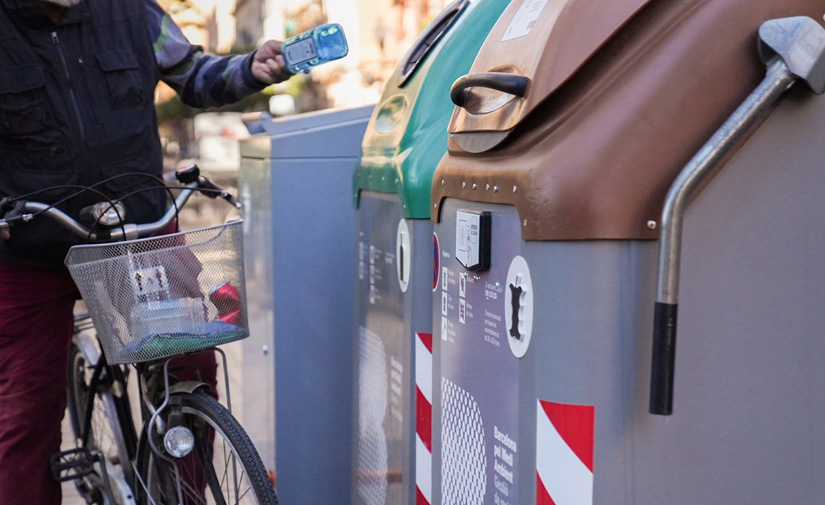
[[179, 441]]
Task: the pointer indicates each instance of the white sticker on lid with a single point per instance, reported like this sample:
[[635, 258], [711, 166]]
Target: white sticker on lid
[[525, 18]]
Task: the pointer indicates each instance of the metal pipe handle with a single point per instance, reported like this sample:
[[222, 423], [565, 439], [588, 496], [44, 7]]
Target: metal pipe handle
[[793, 50], [777, 81]]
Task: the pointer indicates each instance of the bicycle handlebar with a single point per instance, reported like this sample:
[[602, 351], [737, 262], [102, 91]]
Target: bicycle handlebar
[[27, 210]]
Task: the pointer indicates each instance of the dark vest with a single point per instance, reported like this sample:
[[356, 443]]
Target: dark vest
[[76, 107]]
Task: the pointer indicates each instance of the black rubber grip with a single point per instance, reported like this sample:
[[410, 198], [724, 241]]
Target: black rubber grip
[[664, 359], [208, 189]]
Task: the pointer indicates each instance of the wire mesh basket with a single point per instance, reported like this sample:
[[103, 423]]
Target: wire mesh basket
[[163, 296]]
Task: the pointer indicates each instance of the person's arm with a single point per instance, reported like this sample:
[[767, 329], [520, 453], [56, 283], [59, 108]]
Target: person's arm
[[202, 80]]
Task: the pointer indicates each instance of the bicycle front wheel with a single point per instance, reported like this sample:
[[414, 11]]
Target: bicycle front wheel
[[223, 468]]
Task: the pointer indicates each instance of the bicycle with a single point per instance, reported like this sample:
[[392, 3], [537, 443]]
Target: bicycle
[[151, 301]]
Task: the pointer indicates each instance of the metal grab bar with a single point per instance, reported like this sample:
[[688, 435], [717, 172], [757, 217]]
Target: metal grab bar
[[793, 50]]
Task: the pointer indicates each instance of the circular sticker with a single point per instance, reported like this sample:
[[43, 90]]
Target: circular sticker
[[518, 306]]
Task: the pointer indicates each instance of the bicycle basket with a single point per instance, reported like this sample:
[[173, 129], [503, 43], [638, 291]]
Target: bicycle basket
[[163, 296]]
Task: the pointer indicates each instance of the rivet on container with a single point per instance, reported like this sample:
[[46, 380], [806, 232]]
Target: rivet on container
[[651, 225], [475, 186], [515, 189]]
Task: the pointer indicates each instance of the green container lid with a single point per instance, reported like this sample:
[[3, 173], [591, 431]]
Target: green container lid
[[407, 133]]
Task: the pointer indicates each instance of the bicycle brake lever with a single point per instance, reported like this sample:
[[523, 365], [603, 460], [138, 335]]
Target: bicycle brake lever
[[210, 190], [231, 199], [13, 211], [7, 203]]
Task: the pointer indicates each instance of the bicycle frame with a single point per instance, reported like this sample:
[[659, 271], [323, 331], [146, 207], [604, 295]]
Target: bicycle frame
[[151, 394], [110, 388], [154, 400], [164, 402]]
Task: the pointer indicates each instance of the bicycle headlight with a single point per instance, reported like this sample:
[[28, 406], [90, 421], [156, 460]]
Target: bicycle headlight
[[179, 441]]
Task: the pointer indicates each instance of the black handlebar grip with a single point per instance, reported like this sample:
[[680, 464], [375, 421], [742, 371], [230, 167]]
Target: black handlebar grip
[[664, 359], [208, 188]]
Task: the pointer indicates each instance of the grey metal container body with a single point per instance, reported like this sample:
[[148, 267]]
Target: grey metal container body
[[293, 172], [388, 319], [747, 415]]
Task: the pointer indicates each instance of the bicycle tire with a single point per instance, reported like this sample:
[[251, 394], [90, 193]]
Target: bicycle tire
[[230, 446], [113, 435]]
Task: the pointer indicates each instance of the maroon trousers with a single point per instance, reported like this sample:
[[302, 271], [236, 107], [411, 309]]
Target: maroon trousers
[[35, 335]]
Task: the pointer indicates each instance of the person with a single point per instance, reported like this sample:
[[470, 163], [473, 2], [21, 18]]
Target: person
[[77, 81]]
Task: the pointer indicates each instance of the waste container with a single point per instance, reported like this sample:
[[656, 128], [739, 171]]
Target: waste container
[[298, 234], [405, 139], [573, 123]]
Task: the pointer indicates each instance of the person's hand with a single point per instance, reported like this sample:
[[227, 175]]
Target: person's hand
[[268, 64], [4, 234]]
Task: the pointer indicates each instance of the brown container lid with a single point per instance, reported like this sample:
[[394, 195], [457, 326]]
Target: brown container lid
[[544, 42], [594, 159]]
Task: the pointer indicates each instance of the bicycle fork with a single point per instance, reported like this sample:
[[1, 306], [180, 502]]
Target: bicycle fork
[[174, 421]]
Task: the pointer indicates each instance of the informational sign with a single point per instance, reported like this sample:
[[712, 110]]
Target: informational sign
[[472, 240], [383, 425], [479, 373]]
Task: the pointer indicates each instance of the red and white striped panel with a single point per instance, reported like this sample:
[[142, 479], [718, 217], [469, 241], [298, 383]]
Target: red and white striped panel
[[424, 418], [564, 454]]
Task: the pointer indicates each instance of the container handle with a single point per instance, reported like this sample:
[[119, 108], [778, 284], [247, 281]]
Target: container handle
[[433, 33], [793, 49], [499, 81]]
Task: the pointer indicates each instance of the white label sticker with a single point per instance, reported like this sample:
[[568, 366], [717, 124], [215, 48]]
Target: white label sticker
[[467, 231], [150, 284], [525, 18]]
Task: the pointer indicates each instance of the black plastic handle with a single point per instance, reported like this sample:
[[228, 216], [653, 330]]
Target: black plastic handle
[[432, 34], [664, 359], [508, 83]]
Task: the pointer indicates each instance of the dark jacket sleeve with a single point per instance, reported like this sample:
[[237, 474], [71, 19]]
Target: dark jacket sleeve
[[200, 80]]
